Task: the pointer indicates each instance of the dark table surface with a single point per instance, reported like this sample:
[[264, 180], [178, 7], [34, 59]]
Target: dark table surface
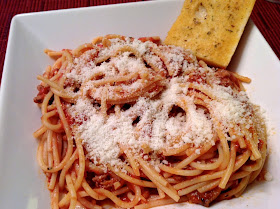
[[266, 16]]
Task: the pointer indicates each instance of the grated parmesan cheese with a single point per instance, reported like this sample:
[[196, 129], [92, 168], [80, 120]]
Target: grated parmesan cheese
[[156, 129]]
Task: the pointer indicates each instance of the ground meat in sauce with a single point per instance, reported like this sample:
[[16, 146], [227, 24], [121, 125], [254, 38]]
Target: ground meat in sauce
[[104, 181], [204, 198], [41, 94], [226, 78]]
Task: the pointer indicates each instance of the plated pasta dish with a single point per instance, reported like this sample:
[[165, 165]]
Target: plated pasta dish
[[133, 123]]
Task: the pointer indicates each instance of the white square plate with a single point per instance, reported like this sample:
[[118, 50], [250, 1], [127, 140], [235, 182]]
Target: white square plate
[[22, 184]]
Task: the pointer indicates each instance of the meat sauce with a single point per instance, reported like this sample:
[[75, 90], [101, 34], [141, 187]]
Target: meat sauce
[[42, 91], [226, 78], [204, 198], [155, 40]]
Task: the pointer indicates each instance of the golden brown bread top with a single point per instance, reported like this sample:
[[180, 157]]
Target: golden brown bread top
[[211, 28]]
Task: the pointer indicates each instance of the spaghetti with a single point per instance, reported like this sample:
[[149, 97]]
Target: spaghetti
[[138, 124]]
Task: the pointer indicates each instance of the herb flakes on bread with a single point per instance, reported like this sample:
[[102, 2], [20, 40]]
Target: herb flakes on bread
[[211, 28]]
